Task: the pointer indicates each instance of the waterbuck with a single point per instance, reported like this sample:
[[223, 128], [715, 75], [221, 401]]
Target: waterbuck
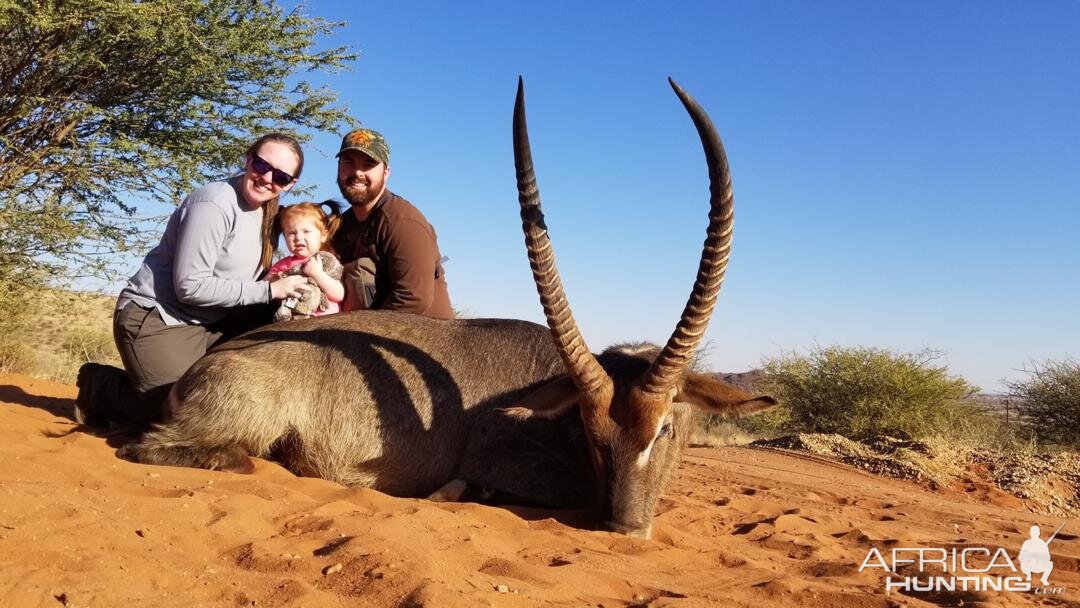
[[410, 406]]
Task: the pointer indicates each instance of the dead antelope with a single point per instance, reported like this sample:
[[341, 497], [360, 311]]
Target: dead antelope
[[409, 405]]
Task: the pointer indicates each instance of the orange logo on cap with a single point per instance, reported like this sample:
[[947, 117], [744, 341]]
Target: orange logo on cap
[[361, 138]]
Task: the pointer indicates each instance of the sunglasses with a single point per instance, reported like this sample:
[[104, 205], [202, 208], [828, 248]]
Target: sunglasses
[[260, 166]]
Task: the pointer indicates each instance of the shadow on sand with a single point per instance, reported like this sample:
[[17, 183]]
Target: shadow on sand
[[57, 406]]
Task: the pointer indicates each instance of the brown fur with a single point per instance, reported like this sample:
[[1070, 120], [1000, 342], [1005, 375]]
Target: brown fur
[[411, 406], [389, 402]]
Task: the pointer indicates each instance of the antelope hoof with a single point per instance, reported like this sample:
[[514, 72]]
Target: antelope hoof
[[451, 492]]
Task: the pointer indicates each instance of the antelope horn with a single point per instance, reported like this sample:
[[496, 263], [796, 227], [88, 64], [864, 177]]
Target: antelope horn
[[669, 365], [587, 374]]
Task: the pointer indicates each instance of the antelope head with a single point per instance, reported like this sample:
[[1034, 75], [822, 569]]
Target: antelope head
[[634, 401]]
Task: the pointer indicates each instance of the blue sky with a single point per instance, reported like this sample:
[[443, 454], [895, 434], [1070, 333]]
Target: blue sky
[[907, 175]]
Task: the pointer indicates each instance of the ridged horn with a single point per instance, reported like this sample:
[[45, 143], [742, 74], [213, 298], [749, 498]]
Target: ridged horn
[[672, 361], [586, 372]]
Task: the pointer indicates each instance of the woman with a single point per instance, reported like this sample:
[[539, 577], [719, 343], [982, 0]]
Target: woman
[[198, 287]]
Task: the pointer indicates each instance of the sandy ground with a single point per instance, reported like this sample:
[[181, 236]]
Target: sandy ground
[[738, 527]]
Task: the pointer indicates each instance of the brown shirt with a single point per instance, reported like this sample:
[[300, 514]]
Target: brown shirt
[[409, 275]]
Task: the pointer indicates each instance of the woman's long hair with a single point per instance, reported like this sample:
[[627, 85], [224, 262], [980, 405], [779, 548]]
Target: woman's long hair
[[270, 208]]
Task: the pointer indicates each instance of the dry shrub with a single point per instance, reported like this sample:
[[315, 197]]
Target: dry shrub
[[15, 355], [51, 332], [86, 345], [713, 431]]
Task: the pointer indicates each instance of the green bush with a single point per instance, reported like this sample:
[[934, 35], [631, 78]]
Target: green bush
[[863, 392], [1050, 399]]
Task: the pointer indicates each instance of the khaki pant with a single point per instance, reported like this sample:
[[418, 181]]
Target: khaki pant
[[358, 277], [155, 355]]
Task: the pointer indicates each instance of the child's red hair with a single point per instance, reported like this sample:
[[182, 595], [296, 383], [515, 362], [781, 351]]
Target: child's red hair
[[328, 222]]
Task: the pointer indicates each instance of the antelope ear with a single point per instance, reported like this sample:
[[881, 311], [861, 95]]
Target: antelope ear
[[718, 397], [549, 400]]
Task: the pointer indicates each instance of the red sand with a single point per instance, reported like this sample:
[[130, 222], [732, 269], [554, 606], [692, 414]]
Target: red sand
[[737, 527]]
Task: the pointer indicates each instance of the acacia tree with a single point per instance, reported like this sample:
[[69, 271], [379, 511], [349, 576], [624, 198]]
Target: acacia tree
[[1050, 398], [107, 101], [861, 392]]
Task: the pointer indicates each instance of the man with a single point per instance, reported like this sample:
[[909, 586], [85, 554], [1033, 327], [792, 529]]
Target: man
[[390, 251]]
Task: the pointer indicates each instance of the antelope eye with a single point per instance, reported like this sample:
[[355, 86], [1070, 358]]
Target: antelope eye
[[664, 430]]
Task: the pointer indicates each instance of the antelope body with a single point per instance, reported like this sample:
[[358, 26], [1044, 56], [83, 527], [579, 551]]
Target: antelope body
[[410, 405]]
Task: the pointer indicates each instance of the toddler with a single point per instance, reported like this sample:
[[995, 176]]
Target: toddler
[[307, 231]]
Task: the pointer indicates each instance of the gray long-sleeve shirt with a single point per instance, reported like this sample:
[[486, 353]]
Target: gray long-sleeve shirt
[[207, 261]]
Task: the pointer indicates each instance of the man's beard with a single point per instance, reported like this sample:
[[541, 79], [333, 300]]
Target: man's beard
[[360, 199]]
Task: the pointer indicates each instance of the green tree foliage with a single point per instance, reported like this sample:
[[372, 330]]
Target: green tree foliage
[[1050, 398], [103, 101], [863, 392]]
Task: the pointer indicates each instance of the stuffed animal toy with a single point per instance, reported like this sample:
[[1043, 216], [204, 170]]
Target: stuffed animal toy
[[313, 299]]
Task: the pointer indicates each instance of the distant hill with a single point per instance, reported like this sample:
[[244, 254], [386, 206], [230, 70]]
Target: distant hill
[[991, 401], [743, 380]]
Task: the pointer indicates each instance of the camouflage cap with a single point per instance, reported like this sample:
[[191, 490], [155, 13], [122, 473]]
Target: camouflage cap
[[367, 141]]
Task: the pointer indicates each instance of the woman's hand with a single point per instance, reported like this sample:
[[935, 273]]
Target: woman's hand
[[293, 286]]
